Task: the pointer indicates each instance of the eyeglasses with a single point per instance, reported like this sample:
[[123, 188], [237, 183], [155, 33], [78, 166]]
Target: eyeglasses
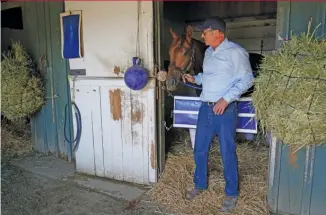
[[204, 32]]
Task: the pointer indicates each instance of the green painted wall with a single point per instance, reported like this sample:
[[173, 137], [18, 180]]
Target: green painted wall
[[294, 16], [299, 190], [41, 37]]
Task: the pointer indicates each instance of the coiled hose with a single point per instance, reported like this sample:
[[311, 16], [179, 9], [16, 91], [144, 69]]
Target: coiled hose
[[79, 126]]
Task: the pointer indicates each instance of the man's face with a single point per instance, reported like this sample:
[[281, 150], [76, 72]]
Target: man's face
[[210, 36]]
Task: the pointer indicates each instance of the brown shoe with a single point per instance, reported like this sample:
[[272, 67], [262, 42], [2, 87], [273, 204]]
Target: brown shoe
[[190, 195]]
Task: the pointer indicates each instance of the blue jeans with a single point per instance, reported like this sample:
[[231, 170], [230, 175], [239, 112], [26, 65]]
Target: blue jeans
[[209, 125]]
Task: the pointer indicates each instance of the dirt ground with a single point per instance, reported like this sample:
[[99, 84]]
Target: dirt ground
[[25, 193]]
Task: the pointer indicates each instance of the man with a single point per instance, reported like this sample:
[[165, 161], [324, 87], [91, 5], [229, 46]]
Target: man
[[226, 76]]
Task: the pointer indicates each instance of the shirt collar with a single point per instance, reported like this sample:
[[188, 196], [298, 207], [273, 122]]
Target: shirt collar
[[221, 47]]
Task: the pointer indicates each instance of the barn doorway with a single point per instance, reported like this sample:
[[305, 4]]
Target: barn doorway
[[250, 24]]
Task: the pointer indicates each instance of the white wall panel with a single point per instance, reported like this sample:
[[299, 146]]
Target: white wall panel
[[118, 136]]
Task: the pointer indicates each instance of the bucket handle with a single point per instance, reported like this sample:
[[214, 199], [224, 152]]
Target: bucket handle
[[136, 61]]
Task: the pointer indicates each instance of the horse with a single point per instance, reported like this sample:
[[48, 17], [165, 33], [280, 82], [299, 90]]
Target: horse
[[186, 57]]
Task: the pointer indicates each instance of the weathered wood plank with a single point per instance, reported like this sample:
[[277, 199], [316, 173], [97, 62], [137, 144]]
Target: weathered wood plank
[[88, 103], [112, 116], [251, 32], [255, 44]]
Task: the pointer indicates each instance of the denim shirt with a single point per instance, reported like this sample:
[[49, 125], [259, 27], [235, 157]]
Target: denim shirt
[[226, 73]]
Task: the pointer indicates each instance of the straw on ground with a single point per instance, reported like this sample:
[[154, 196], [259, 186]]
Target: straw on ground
[[178, 177], [15, 138]]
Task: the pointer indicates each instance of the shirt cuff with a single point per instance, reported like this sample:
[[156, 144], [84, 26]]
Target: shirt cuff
[[228, 99], [197, 79]]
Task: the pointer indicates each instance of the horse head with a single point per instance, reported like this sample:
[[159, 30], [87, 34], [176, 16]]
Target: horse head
[[182, 53]]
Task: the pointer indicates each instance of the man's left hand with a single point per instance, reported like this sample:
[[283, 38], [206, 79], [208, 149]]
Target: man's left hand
[[220, 106]]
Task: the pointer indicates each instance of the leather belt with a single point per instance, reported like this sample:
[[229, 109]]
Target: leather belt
[[210, 103]]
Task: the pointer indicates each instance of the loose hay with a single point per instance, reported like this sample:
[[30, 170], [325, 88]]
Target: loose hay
[[178, 177], [290, 92], [22, 92], [15, 140]]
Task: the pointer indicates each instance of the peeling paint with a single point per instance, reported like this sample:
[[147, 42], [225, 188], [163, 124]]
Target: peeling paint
[[293, 157], [115, 104], [136, 113], [153, 155], [136, 116], [116, 70]]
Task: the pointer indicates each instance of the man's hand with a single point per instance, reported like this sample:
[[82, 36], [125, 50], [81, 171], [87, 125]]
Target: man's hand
[[220, 106], [188, 78]]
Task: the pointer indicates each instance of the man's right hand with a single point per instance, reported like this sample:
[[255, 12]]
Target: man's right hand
[[188, 78]]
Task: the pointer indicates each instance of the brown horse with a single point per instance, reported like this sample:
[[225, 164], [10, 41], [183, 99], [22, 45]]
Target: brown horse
[[186, 57]]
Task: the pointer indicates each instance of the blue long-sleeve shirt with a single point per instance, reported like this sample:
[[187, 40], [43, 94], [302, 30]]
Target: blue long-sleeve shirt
[[226, 73]]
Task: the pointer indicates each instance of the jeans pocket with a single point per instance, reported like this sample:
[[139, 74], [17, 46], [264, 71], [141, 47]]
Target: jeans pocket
[[232, 108], [205, 118]]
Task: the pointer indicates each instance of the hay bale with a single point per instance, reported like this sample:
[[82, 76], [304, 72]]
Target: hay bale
[[290, 92], [22, 92]]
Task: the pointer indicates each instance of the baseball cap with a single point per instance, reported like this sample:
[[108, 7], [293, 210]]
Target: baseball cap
[[213, 23]]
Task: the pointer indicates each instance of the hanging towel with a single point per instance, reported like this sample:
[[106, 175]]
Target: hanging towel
[[71, 34]]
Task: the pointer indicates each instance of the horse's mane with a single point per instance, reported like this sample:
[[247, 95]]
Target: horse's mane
[[200, 43], [200, 48]]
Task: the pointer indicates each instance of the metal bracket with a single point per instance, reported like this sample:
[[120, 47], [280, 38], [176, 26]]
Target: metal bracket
[[167, 128], [52, 97]]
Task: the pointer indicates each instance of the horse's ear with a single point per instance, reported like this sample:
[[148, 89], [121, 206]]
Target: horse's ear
[[174, 35], [189, 33]]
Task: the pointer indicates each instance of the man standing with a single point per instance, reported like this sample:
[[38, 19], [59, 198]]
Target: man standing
[[227, 74]]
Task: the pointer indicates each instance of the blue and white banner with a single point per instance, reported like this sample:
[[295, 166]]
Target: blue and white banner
[[186, 110]]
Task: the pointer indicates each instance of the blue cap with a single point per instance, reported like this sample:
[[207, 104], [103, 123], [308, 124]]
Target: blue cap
[[214, 24]]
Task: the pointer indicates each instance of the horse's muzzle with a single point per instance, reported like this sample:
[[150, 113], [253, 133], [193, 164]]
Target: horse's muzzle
[[173, 79], [171, 83]]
